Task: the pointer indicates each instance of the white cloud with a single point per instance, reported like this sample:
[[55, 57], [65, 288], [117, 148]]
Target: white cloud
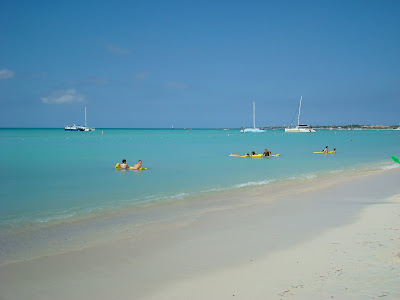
[[63, 96], [118, 50], [5, 74]]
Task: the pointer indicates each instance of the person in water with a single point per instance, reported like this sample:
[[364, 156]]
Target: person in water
[[253, 153], [267, 153], [124, 165], [138, 165], [325, 151], [334, 150]]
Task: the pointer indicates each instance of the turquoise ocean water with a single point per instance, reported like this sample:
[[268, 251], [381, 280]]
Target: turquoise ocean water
[[50, 176]]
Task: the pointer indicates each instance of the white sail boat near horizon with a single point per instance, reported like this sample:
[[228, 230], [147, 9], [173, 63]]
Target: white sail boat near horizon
[[300, 127], [254, 129], [78, 127]]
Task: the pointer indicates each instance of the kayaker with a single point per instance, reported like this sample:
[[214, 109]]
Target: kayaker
[[267, 153], [124, 165], [138, 165]]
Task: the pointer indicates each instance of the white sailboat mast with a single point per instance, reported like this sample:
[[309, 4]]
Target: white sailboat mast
[[298, 118], [254, 114], [85, 117]]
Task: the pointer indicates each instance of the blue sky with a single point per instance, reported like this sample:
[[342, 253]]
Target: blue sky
[[198, 63]]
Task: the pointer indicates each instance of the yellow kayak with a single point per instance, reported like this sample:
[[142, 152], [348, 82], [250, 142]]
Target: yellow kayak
[[118, 166], [323, 152], [238, 155], [253, 156]]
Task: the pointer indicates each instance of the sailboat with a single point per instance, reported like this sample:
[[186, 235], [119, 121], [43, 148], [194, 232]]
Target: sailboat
[[299, 127], [254, 129], [87, 128], [78, 127]]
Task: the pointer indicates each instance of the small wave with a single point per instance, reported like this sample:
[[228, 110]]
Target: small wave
[[301, 177], [150, 199], [252, 183], [215, 190], [389, 167], [335, 171], [15, 222], [54, 218], [177, 196]]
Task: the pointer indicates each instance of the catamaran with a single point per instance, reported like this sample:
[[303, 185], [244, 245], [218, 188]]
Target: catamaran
[[78, 127], [254, 129], [299, 127]]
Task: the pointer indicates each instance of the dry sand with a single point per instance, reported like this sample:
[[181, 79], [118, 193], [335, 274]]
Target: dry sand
[[331, 240]]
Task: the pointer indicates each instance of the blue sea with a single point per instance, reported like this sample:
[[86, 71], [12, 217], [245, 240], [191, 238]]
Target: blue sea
[[50, 177]]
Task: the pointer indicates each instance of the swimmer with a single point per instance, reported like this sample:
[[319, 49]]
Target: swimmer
[[325, 151], [124, 165], [138, 165], [334, 150], [253, 153], [267, 153]]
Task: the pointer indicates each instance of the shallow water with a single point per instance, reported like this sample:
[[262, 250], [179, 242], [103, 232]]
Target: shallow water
[[59, 191], [52, 175]]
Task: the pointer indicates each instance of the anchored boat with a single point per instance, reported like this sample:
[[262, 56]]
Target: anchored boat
[[78, 127], [254, 129], [299, 127]]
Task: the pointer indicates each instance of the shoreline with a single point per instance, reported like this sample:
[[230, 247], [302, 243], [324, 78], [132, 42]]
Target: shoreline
[[169, 257], [106, 226]]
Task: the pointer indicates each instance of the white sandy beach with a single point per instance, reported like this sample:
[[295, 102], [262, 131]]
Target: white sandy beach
[[319, 239]]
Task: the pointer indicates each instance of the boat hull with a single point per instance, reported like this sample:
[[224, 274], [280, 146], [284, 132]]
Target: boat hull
[[304, 130], [78, 128], [68, 129], [254, 130], [71, 128]]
